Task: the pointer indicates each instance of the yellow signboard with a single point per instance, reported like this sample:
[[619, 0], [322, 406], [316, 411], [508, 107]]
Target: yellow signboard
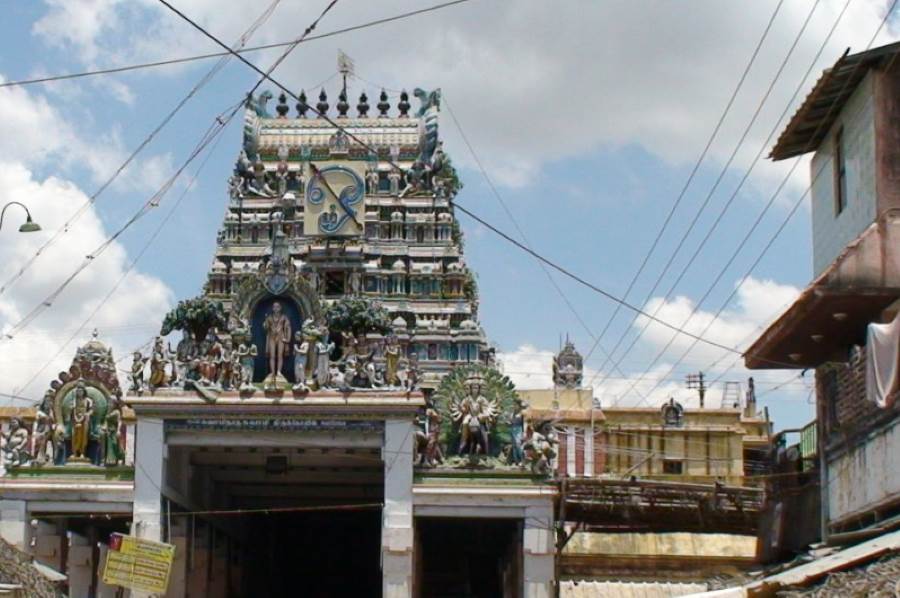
[[138, 564]]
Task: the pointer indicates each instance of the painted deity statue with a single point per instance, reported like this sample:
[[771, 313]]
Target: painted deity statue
[[225, 364], [392, 361], [15, 443], [185, 352], [113, 434], [247, 356], [301, 354], [518, 422], [431, 453], [278, 338], [323, 361], [158, 361], [42, 430], [80, 422], [311, 333], [540, 449], [474, 414]]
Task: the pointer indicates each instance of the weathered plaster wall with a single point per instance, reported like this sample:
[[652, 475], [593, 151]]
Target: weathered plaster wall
[[830, 232], [865, 476]]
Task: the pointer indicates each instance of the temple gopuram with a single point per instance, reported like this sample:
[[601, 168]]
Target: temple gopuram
[[326, 419]]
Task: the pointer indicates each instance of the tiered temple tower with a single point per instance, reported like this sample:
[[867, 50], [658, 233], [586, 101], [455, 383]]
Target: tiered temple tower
[[349, 222]]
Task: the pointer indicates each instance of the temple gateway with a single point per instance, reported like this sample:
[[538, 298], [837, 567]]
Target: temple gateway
[[326, 418]]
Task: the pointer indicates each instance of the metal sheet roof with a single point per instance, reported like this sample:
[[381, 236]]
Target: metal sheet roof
[[812, 121]]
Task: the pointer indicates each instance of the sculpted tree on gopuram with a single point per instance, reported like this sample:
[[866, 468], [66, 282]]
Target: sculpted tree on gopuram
[[195, 316]]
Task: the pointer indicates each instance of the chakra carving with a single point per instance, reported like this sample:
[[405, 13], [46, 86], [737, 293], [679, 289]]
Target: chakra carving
[[333, 195]]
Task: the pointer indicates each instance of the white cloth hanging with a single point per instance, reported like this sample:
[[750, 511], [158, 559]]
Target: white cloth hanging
[[883, 362]]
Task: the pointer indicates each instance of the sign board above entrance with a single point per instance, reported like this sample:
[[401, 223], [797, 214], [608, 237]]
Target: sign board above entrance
[[280, 424]]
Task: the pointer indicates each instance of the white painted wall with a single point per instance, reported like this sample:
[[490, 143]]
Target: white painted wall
[[397, 517], [865, 476]]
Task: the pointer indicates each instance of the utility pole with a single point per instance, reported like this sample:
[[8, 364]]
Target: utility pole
[[697, 382]]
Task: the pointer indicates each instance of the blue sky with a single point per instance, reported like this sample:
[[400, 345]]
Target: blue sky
[[588, 118]]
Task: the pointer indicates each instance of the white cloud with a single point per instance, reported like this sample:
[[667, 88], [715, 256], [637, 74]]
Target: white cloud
[[128, 318], [532, 82], [531, 368], [39, 134], [758, 302]]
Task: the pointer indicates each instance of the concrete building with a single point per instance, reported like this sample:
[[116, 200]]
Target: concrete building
[[844, 324], [633, 482]]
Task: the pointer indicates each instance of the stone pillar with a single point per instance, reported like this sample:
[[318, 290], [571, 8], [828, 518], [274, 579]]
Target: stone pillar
[[397, 517], [80, 567], [148, 479], [538, 545], [14, 523], [46, 544], [178, 576], [103, 590]]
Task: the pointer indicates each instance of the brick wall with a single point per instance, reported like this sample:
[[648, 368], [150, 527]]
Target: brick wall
[[843, 408]]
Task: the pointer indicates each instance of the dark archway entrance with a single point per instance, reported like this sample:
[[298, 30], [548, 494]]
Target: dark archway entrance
[[314, 554], [468, 558]]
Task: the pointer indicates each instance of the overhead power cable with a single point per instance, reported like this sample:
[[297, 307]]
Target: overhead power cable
[[725, 207], [123, 69], [690, 179], [188, 187], [218, 125], [518, 228], [587, 284], [66, 227], [723, 171], [266, 76], [771, 201]]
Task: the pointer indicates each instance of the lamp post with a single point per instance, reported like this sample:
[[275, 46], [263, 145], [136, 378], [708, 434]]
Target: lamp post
[[29, 226]]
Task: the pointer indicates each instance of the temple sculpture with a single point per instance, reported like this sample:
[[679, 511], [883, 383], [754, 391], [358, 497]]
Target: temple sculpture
[[475, 419], [79, 421]]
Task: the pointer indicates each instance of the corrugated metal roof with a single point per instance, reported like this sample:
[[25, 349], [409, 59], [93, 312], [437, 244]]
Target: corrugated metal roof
[[619, 589], [812, 121]]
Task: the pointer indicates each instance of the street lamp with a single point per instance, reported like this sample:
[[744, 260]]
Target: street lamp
[[29, 226]]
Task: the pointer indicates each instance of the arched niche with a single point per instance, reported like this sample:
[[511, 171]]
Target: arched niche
[[64, 400], [254, 301]]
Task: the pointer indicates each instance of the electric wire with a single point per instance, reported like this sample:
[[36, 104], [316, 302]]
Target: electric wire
[[770, 203], [122, 69], [218, 124], [220, 64], [723, 171], [496, 193], [733, 196], [188, 187], [466, 211], [690, 179]]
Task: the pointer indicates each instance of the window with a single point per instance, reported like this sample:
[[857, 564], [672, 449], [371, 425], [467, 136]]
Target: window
[[672, 466], [840, 173]]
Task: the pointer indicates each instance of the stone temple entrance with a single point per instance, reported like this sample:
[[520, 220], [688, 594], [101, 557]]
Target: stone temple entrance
[[306, 513], [468, 558], [269, 497], [334, 553]]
